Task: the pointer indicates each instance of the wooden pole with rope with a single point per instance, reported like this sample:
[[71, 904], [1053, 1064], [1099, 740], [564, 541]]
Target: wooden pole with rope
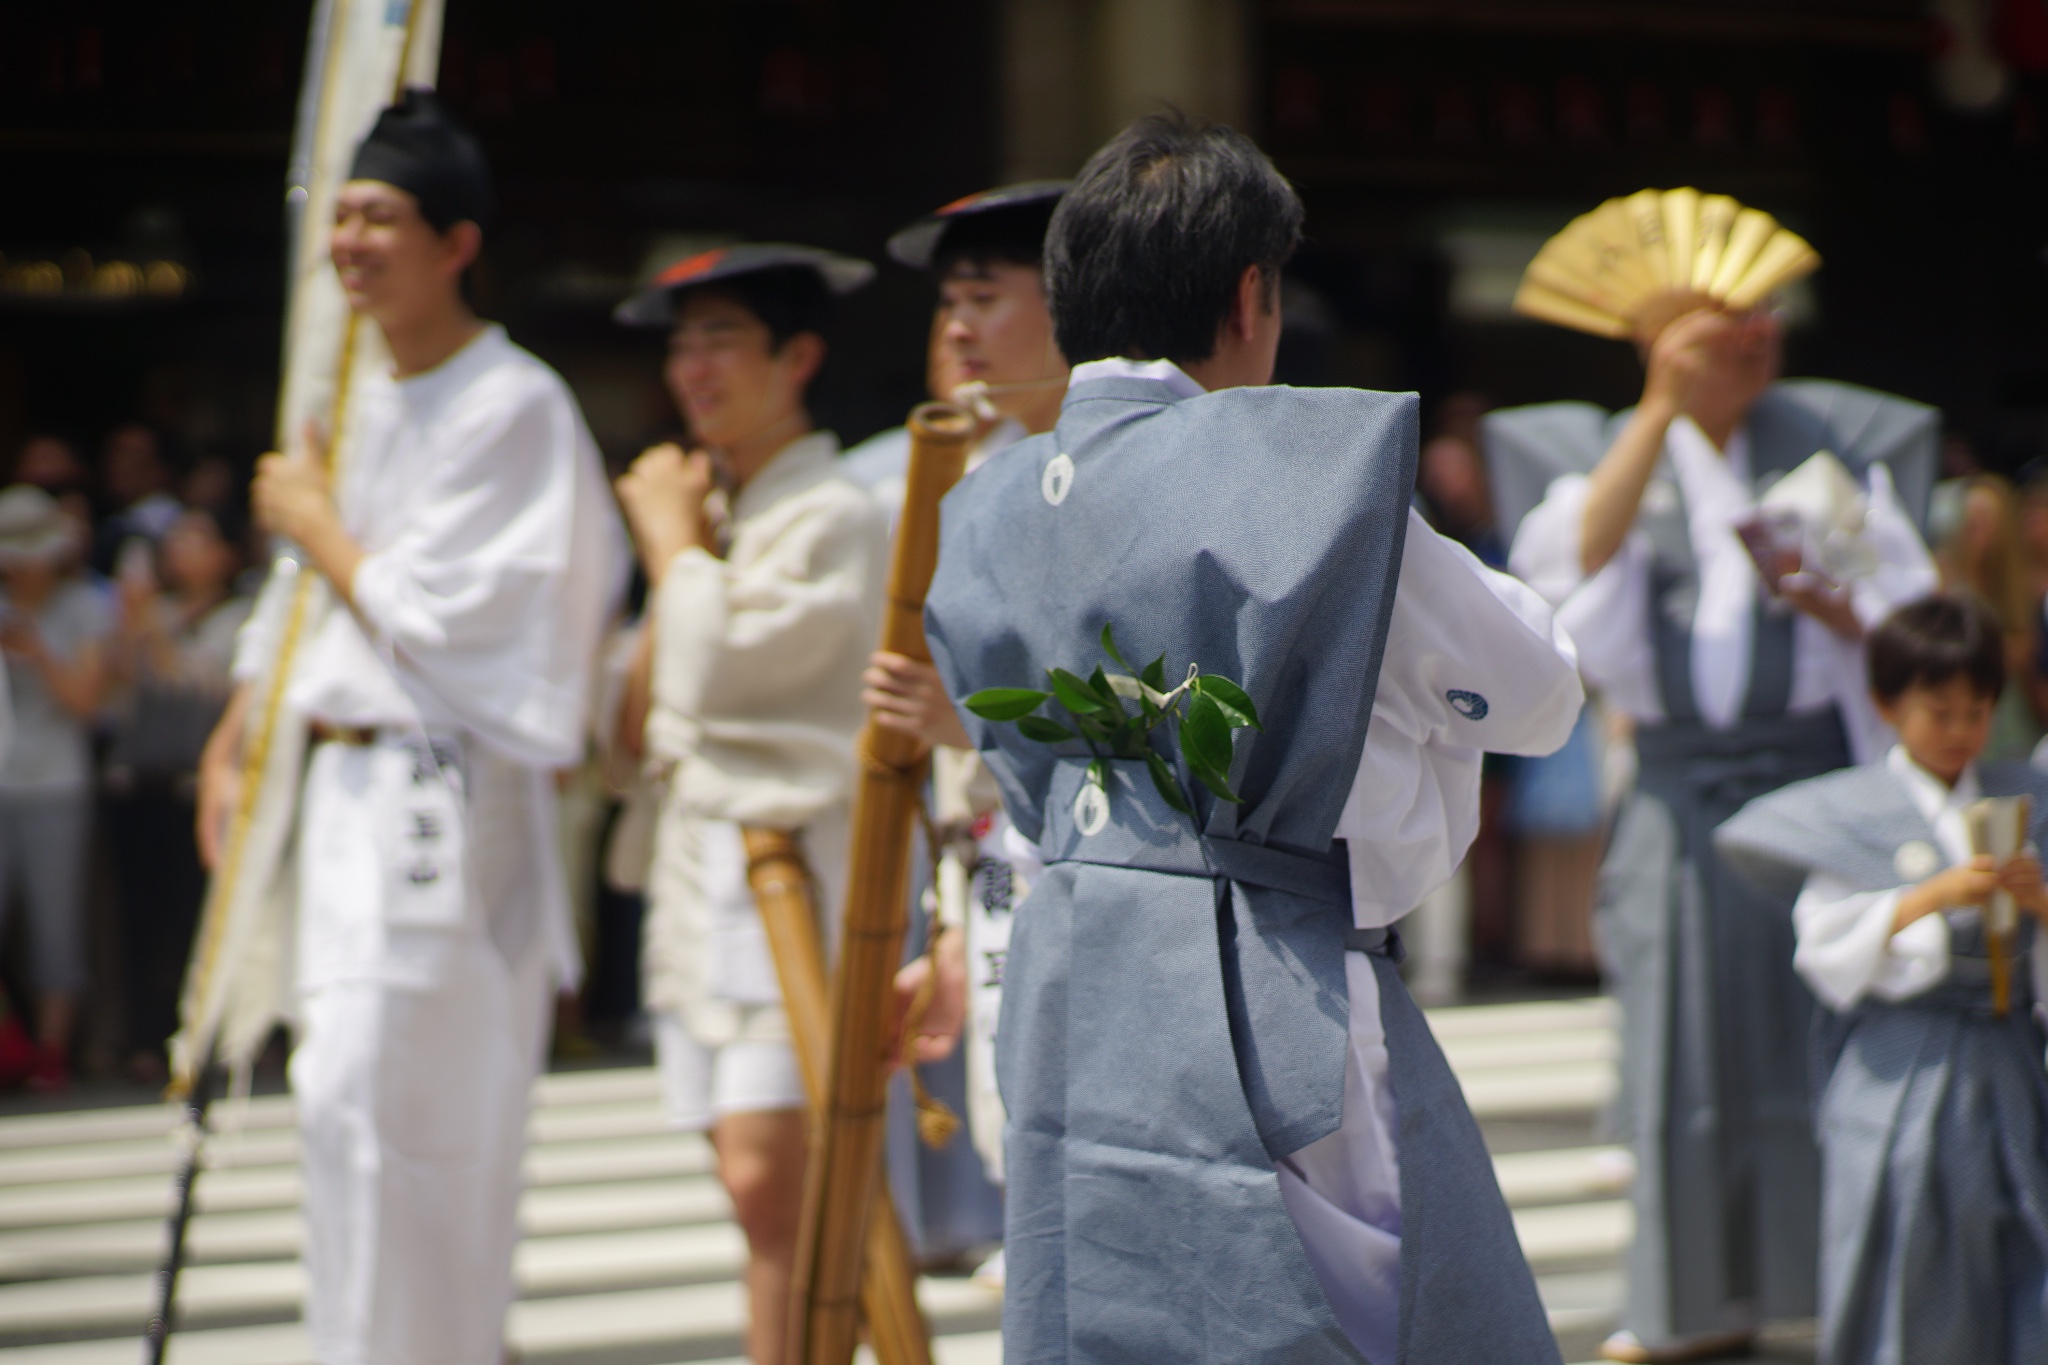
[[360, 56], [845, 1168], [781, 882]]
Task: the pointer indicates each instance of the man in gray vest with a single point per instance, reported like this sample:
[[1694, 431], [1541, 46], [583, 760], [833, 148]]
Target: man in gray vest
[[1203, 1030], [1634, 525]]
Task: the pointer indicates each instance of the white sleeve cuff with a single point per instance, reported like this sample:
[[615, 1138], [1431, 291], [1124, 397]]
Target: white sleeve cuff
[[380, 603], [1847, 950]]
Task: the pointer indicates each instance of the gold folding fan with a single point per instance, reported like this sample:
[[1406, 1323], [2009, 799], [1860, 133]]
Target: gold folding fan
[[1634, 264]]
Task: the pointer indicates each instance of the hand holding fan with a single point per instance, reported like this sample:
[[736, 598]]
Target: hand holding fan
[[1634, 264]]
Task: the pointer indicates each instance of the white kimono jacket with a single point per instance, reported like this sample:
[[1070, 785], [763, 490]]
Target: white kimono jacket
[[756, 704]]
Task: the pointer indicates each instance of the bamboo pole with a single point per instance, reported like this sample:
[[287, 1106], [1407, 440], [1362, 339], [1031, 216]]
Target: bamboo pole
[[780, 879], [845, 1166]]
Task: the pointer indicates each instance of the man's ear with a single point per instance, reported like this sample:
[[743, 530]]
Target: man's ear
[[804, 353], [463, 243], [1887, 711], [1255, 299]]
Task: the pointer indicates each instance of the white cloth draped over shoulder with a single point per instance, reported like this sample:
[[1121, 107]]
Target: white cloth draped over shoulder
[[1847, 949], [1474, 663], [756, 703], [1608, 613]]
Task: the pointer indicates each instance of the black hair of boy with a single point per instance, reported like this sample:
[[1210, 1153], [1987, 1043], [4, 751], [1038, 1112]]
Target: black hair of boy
[[1005, 236], [788, 300], [1930, 641], [1144, 253]]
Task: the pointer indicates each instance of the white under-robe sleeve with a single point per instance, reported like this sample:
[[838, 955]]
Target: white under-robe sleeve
[[1475, 663], [1847, 950], [495, 592], [1607, 614]]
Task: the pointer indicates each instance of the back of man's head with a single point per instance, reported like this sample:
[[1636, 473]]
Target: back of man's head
[[1145, 252]]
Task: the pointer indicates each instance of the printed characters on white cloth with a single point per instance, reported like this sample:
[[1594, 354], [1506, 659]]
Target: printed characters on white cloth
[[426, 862]]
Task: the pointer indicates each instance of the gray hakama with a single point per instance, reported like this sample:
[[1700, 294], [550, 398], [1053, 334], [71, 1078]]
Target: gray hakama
[[1175, 1009], [1715, 1097], [1933, 1113]]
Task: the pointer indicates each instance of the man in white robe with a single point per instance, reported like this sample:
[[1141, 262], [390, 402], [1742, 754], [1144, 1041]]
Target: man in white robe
[[766, 568], [473, 555]]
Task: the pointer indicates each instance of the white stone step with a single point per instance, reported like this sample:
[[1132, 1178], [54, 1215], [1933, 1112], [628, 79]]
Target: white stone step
[[1582, 1300], [549, 1266], [274, 1233], [1541, 1016], [544, 1266], [1575, 1232], [556, 1326], [1521, 1092], [1562, 1175], [1493, 1052]]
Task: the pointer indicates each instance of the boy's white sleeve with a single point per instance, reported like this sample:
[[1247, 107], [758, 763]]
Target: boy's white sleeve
[[1847, 949]]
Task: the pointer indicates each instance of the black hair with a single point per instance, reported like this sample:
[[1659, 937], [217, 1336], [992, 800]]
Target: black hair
[[1942, 636], [416, 145], [1144, 253], [1004, 236], [788, 300]]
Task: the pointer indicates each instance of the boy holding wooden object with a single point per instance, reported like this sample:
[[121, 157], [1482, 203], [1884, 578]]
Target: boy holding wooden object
[[1933, 1110]]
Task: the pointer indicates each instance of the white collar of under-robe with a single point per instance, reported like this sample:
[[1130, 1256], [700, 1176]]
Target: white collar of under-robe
[[1941, 804], [1177, 380], [794, 461], [1717, 496]]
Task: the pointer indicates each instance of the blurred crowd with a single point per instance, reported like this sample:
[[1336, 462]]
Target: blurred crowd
[[124, 577]]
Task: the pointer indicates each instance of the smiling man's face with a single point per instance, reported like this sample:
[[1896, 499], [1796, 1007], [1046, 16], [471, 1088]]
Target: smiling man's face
[[390, 259]]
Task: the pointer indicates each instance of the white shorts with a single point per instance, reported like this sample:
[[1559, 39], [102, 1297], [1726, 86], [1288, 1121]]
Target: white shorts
[[701, 1085]]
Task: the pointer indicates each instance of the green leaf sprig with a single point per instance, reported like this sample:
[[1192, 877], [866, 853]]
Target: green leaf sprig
[[1114, 714]]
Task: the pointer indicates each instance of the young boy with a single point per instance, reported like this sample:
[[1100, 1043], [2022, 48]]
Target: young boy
[[1933, 1111]]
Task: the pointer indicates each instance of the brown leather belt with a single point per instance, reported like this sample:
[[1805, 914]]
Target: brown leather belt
[[355, 736]]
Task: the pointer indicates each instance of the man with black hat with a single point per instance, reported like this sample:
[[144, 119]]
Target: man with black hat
[[766, 566], [473, 554]]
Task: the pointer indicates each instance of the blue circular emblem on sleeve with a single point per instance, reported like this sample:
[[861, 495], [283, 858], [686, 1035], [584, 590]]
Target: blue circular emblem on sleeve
[[1470, 705]]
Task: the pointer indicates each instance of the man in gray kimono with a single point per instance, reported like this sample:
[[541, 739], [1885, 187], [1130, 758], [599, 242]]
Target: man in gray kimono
[[1203, 1032], [1736, 686]]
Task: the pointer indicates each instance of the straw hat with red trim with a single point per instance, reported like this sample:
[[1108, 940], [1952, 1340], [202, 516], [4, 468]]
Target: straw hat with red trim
[[654, 303], [918, 245]]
